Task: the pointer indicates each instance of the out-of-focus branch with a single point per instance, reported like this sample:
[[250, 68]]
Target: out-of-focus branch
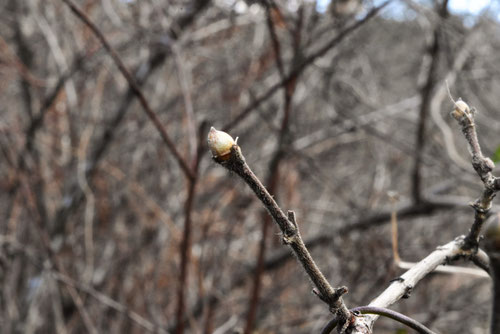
[[195, 155], [52, 258], [37, 121], [492, 247], [135, 88], [22, 68], [302, 66], [25, 53], [444, 269], [481, 260], [403, 286], [144, 70], [426, 97], [32, 255], [188, 101]]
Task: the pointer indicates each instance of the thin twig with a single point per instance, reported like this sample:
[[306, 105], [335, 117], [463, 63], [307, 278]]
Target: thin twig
[[291, 236], [426, 98], [185, 246], [483, 167], [144, 70], [52, 257]]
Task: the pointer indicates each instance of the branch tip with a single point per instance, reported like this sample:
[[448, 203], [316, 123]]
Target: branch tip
[[220, 144]]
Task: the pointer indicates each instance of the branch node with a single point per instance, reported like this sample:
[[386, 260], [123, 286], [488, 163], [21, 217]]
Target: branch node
[[291, 218], [233, 160], [408, 291], [339, 292]]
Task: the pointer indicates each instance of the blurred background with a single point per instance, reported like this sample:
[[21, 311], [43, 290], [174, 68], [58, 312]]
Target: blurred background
[[104, 230]]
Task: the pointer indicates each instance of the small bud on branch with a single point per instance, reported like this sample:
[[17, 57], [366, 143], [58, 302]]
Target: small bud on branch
[[220, 144], [461, 109], [228, 154]]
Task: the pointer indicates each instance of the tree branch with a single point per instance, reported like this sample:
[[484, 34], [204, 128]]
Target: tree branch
[[235, 162], [135, 88], [483, 167]]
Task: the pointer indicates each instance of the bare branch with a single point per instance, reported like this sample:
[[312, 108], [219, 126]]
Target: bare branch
[[302, 66], [109, 302], [235, 162], [135, 88], [483, 167]]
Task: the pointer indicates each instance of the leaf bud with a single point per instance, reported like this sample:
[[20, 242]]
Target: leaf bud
[[220, 143], [461, 109]]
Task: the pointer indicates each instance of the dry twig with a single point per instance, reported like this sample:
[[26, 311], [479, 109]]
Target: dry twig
[[234, 161]]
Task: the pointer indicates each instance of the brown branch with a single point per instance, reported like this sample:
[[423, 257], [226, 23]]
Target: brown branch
[[427, 93], [294, 73], [135, 88], [274, 38], [235, 162], [109, 302], [185, 246], [185, 252], [31, 255], [144, 70], [51, 257]]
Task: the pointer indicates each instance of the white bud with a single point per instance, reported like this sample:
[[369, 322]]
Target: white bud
[[220, 143], [461, 109]]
